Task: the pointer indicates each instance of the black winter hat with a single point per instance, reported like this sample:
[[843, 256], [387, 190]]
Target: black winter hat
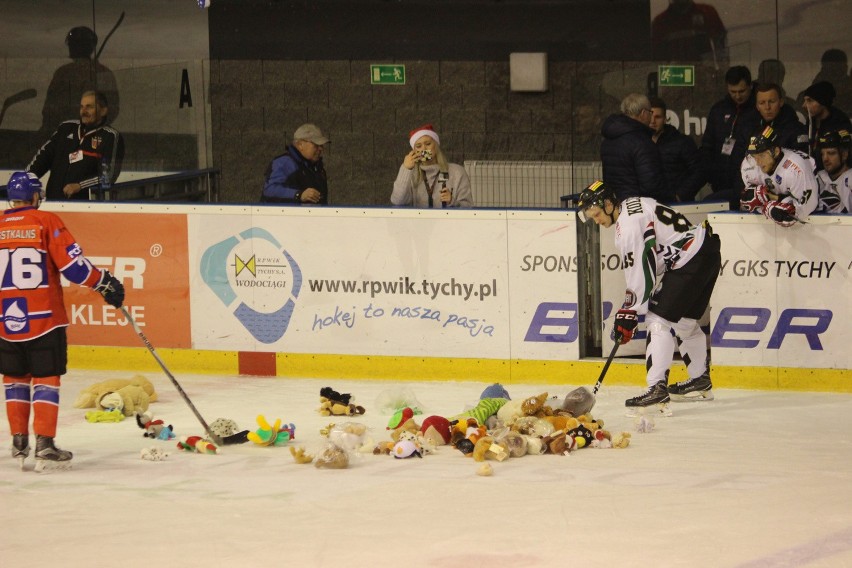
[[822, 92]]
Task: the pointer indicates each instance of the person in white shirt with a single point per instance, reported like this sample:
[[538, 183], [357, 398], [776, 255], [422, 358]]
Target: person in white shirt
[[835, 180], [779, 182]]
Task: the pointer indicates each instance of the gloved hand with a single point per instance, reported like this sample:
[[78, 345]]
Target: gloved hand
[[782, 213], [111, 289], [754, 198], [624, 325]]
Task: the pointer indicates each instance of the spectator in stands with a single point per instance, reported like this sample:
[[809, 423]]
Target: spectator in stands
[[78, 152], [297, 177], [424, 169], [723, 146], [688, 31], [835, 179], [834, 69], [822, 115], [630, 160], [84, 73], [771, 111], [682, 165], [779, 182]]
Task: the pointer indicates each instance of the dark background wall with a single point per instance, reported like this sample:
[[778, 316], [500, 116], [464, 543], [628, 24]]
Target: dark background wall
[[278, 64]]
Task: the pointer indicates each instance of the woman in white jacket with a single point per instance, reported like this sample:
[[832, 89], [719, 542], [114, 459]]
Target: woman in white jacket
[[425, 177]]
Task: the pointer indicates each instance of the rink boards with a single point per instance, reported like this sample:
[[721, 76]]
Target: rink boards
[[414, 294]]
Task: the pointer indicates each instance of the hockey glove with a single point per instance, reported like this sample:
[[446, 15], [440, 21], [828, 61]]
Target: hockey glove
[[624, 325], [782, 213], [753, 199], [111, 289]]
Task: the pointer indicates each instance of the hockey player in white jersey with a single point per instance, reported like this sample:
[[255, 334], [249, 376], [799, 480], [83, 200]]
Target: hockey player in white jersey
[[835, 180], [671, 268], [779, 182]]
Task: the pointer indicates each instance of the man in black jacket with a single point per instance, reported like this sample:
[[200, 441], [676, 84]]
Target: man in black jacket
[[723, 146], [781, 117], [822, 116], [682, 165], [631, 161], [80, 151]]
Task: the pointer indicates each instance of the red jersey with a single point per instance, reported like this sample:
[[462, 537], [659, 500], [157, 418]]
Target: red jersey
[[35, 247]]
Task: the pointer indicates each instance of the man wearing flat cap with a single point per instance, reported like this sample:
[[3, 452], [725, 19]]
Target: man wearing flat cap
[[297, 177], [822, 116]]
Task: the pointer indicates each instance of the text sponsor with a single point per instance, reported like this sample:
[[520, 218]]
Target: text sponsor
[[745, 328], [805, 269], [405, 286]]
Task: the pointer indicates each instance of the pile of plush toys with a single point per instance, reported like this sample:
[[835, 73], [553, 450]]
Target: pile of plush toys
[[496, 428]]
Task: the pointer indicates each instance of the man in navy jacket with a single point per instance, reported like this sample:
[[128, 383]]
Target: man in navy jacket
[[631, 161]]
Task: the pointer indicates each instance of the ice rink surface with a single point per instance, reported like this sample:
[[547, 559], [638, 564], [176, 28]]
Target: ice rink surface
[[751, 479]]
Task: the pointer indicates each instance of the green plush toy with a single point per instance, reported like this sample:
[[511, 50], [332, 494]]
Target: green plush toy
[[268, 435], [485, 407]]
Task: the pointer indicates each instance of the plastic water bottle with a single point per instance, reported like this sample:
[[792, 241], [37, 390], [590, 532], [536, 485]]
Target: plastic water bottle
[[105, 179]]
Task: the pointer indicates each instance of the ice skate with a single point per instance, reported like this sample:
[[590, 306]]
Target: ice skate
[[699, 388], [20, 448], [655, 400], [49, 457]]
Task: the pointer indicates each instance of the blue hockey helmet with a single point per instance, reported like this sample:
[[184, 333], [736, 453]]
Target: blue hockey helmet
[[22, 186]]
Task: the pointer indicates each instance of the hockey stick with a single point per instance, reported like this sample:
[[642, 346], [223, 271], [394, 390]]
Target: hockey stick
[[581, 400], [109, 35], [19, 97], [171, 377]]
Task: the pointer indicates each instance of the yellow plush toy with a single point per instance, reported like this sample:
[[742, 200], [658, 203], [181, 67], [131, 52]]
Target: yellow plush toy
[[89, 396]]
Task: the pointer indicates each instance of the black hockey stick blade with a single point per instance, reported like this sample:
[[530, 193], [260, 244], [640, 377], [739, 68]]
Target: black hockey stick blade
[[581, 400], [109, 35], [216, 439], [18, 97]]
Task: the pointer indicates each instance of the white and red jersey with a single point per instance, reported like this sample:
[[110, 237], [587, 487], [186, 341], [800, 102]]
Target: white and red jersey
[[835, 195], [652, 239], [793, 180], [35, 247]]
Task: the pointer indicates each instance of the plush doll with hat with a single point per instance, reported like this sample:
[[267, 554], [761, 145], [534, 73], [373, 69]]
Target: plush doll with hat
[[196, 444], [436, 429], [156, 429]]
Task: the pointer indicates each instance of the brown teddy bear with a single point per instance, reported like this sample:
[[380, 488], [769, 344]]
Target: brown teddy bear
[[132, 398]]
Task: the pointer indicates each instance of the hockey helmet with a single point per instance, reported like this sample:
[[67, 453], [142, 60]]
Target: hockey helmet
[[764, 141], [835, 139], [22, 186], [594, 195]]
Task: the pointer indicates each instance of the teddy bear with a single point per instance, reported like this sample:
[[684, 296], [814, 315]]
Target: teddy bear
[[333, 403], [131, 399]]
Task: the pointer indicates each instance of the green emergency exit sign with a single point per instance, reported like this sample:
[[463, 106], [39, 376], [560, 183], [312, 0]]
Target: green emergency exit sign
[[387, 74], [676, 75]]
